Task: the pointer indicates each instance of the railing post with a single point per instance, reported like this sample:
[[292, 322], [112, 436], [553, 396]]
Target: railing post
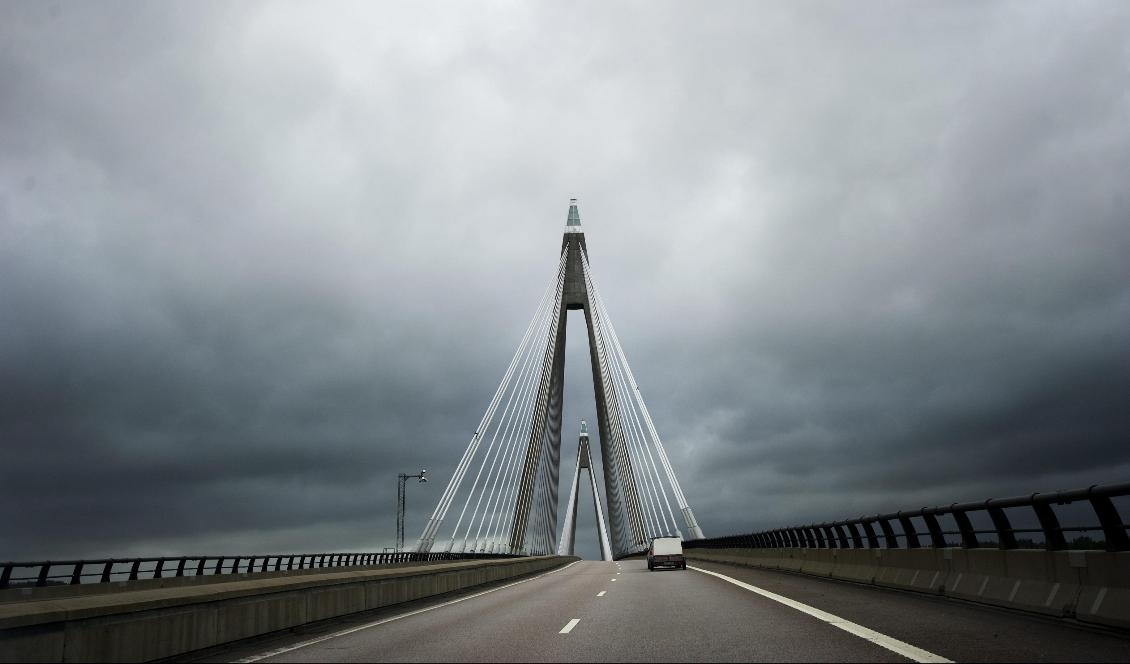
[[908, 531], [937, 539], [180, 566], [43, 570], [134, 569], [219, 565], [200, 565], [106, 569], [869, 532], [888, 533], [76, 574], [235, 565], [1006, 539], [965, 526], [1053, 534], [841, 535], [6, 576], [159, 568], [856, 540], [1111, 522]]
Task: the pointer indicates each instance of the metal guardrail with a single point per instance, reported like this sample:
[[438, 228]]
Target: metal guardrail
[[898, 530], [74, 572]]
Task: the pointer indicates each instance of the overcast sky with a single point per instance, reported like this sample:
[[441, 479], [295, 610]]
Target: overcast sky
[[257, 258]]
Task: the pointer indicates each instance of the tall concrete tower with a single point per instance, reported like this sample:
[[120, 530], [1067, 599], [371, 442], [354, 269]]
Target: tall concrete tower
[[625, 517], [516, 484], [569, 529]]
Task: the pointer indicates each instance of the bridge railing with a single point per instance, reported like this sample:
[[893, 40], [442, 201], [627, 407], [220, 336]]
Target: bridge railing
[[105, 570], [1007, 523]]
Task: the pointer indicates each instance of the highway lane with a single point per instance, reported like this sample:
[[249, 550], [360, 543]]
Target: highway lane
[[691, 616], [960, 631]]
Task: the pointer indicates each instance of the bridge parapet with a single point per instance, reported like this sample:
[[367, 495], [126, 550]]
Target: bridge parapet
[[45, 573], [919, 528], [1089, 584], [143, 622]]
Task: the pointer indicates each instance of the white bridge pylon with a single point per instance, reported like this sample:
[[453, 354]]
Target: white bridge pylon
[[569, 528], [509, 503]]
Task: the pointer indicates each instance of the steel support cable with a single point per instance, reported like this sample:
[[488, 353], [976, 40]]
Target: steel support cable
[[675, 487], [509, 496], [536, 535], [510, 436], [619, 478], [538, 505], [543, 520], [527, 339], [506, 416], [647, 506], [550, 468], [548, 516], [520, 487], [617, 508], [627, 472], [536, 528], [644, 454], [480, 434], [510, 413], [654, 479], [428, 536], [637, 445], [502, 516], [510, 482], [626, 476], [538, 432], [680, 498], [530, 476]]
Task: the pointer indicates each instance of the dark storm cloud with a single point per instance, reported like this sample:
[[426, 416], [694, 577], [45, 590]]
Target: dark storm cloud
[[256, 260]]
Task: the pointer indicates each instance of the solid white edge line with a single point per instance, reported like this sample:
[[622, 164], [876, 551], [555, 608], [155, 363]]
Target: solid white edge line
[[280, 651], [569, 626], [889, 642]]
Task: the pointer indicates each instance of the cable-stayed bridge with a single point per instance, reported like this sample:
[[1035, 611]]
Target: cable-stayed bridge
[[504, 492], [1041, 577]]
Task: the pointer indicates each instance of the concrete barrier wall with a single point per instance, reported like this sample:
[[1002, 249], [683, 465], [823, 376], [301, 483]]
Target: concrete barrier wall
[[155, 621], [1091, 586]]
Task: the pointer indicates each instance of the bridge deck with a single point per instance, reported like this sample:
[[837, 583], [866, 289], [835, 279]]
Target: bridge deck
[[690, 616]]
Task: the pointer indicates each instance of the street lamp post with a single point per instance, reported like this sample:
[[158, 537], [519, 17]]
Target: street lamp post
[[403, 478]]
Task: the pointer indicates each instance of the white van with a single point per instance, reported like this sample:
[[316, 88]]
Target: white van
[[666, 552]]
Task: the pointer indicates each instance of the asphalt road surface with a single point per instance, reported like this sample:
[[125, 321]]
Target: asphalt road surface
[[598, 611]]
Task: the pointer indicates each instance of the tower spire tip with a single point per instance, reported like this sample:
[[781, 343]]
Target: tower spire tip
[[573, 224]]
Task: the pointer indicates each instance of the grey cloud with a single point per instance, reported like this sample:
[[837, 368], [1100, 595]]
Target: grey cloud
[[255, 260]]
